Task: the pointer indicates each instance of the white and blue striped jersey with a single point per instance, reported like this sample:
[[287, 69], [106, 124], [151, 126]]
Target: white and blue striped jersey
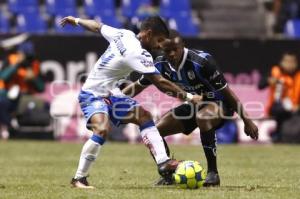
[[123, 56]]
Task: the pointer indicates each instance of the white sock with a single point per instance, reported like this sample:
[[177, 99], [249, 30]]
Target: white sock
[[88, 155], [154, 142]]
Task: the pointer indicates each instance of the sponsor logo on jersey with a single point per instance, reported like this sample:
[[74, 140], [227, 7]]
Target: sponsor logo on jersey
[[190, 88], [147, 63], [169, 75]]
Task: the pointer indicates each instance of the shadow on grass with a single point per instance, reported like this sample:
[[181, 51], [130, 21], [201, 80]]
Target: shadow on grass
[[173, 187], [222, 188], [246, 187]]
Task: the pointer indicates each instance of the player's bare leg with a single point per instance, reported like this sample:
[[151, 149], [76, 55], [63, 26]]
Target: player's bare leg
[[168, 125], [99, 124], [152, 140], [208, 119]]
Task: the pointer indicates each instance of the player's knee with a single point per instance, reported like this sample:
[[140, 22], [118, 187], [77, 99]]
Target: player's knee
[[100, 130], [205, 120], [204, 127], [204, 124], [161, 129], [145, 116]]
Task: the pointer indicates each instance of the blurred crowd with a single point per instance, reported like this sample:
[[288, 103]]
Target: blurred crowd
[[285, 10], [284, 98], [280, 13], [186, 16], [43, 16], [20, 79]]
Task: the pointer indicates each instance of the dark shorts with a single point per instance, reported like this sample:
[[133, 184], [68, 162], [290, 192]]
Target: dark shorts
[[186, 114]]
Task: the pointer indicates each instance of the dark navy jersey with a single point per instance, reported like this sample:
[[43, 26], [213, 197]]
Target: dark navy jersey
[[197, 73]]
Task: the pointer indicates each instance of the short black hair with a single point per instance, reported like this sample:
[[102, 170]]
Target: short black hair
[[289, 53], [175, 35], [156, 24]]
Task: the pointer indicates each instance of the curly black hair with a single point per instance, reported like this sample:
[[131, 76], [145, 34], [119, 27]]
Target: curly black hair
[[156, 24]]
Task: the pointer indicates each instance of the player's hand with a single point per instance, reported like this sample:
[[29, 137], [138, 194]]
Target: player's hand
[[68, 20], [197, 99], [251, 129]]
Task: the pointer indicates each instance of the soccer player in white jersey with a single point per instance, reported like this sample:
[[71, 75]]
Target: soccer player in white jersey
[[102, 101]]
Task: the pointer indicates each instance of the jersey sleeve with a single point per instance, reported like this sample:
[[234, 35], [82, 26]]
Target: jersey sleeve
[[142, 63], [109, 32], [213, 74]]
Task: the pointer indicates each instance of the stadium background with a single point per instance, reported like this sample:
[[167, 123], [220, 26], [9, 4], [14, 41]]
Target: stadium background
[[239, 33], [247, 37]]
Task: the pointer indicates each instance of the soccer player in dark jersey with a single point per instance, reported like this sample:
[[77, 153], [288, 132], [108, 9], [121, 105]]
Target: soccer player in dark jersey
[[196, 72]]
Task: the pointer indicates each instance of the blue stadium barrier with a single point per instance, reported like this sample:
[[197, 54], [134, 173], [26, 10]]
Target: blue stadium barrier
[[228, 133], [185, 24], [130, 7], [97, 7], [31, 22], [168, 8], [292, 28], [4, 24], [109, 19], [19, 6], [102, 9], [61, 7]]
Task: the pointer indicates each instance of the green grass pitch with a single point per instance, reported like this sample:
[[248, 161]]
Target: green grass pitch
[[43, 170]]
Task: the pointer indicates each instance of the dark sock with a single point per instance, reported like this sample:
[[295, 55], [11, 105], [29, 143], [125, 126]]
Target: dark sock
[[208, 140], [166, 147]]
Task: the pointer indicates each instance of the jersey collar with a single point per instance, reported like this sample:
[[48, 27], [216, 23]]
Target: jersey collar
[[185, 53]]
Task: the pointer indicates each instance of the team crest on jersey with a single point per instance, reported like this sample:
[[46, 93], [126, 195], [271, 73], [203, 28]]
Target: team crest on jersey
[[98, 104], [191, 74], [215, 75]]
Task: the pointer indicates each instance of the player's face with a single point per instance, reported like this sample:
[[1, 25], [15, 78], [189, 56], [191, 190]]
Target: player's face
[[150, 41], [174, 53], [157, 41], [289, 63]]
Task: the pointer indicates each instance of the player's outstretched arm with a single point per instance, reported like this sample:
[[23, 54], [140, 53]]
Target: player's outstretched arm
[[88, 24], [250, 128], [133, 89], [172, 89], [216, 78]]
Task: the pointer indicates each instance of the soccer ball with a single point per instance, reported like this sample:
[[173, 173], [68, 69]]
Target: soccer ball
[[189, 175]]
